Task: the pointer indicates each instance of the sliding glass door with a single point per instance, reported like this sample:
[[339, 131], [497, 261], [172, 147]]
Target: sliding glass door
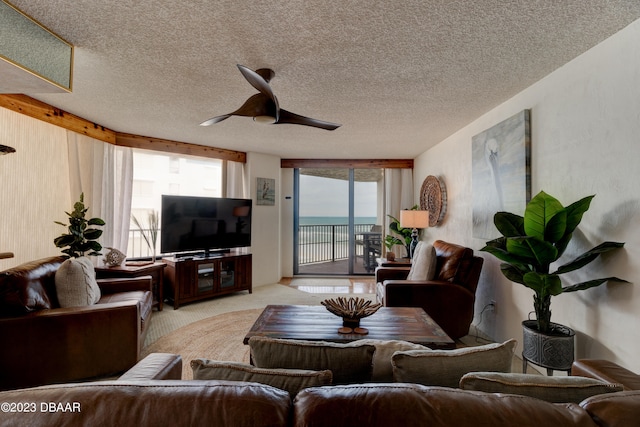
[[338, 219]]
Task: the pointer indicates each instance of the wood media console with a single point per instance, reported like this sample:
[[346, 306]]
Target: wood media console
[[189, 279]]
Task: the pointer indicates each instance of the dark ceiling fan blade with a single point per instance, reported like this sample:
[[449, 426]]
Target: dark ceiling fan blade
[[256, 105], [296, 119], [258, 81]]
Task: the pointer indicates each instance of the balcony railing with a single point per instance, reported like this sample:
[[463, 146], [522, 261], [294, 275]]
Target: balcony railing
[[138, 247], [328, 243]]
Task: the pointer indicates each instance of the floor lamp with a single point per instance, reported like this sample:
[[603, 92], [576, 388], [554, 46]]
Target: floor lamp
[[414, 219]]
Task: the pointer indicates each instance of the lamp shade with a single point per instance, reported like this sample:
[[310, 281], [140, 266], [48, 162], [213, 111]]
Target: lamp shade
[[414, 219], [241, 211]]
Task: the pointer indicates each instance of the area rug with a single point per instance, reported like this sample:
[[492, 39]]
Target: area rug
[[216, 337], [220, 338], [168, 320]]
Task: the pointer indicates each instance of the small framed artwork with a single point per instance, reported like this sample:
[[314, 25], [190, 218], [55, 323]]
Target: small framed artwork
[[265, 191]]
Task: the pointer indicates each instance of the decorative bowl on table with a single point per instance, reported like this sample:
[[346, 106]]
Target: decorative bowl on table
[[351, 310], [114, 257]]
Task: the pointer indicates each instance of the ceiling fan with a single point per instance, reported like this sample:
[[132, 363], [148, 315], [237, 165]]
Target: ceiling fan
[[263, 106]]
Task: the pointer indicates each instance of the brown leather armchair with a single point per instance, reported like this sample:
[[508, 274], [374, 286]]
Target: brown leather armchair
[[449, 299], [43, 343]]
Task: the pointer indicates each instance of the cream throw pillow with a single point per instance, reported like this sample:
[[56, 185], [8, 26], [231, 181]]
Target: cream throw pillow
[[76, 283], [423, 266], [446, 367], [349, 363], [551, 389], [382, 369], [291, 380]]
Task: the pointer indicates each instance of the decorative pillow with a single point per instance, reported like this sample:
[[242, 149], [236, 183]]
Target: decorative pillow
[[551, 389], [76, 283], [423, 266], [350, 363], [382, 369], [446, 367], [291, 380]]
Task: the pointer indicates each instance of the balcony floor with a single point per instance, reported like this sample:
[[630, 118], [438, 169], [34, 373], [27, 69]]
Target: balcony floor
[[337, 268], [332, 285]]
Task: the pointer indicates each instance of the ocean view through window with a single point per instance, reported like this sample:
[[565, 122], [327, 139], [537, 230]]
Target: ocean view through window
[[338, 214]]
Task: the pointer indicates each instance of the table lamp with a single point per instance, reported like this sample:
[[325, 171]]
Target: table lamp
[[240, 212], [414, 219]]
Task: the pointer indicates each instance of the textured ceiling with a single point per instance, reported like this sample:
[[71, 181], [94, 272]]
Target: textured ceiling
[[399, 76]]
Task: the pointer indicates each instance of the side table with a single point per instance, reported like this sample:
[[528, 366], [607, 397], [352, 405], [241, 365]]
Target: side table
[[398, 262], [155, 270]]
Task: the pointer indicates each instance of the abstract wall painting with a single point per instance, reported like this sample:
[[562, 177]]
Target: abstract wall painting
[[501, 172]]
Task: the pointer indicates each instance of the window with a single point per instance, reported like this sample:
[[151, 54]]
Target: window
[[155, 174]]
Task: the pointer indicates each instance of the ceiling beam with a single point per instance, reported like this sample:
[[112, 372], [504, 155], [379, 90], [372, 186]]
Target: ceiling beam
[[39, 110], [165, 145], [355, 163]]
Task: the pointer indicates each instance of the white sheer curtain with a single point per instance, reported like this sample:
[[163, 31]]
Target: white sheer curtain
[[104, 173], [398, 195], [235, 180]]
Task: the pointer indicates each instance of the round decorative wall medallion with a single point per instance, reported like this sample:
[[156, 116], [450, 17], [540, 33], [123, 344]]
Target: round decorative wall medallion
[[433, 198]]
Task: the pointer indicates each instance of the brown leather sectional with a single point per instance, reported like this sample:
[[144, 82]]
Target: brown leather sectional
[[45, 344], [152, 394]]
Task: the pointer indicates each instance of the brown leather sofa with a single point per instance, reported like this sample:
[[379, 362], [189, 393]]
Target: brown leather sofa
[[449, 299], [151, 394], [44, 344], [607, 371]]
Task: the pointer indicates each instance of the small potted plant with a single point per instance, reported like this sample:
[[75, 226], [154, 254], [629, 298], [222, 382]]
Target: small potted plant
[[81, 240], [389, 243], [529, 246]]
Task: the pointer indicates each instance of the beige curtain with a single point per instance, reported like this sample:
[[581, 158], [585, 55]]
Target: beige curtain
[[104, 173], [235, 180], [398, 196]]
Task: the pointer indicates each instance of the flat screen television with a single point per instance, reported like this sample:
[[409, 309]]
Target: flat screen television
[[209, 224]]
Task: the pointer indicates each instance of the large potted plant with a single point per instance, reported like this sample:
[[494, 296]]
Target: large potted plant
[[81, 239], [528, 247]]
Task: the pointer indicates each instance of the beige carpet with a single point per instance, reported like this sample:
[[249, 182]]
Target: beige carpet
[[217, 338]]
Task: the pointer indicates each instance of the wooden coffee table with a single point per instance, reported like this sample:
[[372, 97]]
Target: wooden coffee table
[[315, 323]]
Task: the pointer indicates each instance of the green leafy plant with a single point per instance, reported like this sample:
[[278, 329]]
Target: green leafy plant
[[530, 244], [402, 235], [149, 233], [81, 238]]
